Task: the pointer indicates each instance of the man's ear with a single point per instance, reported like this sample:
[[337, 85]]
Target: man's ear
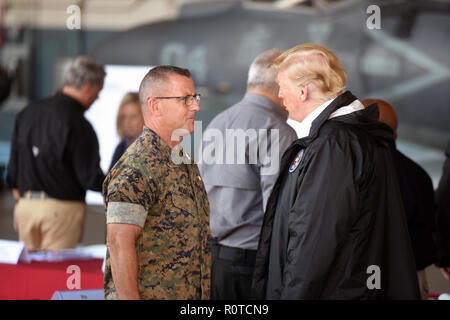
[[303, 90], [86, 88], [154, 106]]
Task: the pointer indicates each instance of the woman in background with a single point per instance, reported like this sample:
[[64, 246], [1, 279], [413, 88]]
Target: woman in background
[[129, 124]]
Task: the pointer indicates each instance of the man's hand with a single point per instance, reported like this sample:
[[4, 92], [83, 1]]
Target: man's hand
[[16, 227], [16, 196], [121, 240], [446, 272]]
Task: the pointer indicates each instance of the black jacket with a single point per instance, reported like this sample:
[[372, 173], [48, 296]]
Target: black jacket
[[335, 217], [418, 199], [55, 149], [443, 214], [118, 152]]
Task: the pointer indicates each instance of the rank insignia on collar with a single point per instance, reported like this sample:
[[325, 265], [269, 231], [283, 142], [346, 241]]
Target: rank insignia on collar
[[296, 161]]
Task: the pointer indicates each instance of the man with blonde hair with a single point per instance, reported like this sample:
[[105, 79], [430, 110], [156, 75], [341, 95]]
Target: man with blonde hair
[[334, 226]]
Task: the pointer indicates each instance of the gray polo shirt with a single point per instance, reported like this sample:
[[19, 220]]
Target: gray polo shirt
[[255, 130]]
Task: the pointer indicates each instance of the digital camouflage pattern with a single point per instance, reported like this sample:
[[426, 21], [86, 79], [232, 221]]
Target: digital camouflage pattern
[[173, 248]]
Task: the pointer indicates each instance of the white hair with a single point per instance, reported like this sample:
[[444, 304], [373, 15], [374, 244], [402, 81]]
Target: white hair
[[84, 70], [260, 74]]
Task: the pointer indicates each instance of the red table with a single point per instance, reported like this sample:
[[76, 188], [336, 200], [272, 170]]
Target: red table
[[39, 280]]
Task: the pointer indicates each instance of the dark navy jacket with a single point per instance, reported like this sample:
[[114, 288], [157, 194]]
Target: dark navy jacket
[[337, 217]]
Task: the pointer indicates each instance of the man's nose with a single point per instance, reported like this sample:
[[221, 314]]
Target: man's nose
[[195, 106]]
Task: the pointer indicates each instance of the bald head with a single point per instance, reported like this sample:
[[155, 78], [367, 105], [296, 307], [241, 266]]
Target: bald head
[[387, 113]]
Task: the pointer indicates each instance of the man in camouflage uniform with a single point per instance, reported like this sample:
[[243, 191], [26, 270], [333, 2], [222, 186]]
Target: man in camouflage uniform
[[156, 207]]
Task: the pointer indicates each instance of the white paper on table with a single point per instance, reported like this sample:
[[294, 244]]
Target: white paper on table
[[11, 251], [57, 256], [92, 294], [79, 253], [96, 251]]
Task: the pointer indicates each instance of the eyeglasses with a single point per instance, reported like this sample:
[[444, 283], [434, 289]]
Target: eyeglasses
[[188, 99]]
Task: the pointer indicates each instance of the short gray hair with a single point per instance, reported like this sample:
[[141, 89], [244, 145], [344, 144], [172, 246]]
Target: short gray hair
[[260, 74], [84, 70], [156, 78]]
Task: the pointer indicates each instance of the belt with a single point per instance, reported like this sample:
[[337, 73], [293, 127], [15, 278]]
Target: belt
[[35, 195], [234, 254]]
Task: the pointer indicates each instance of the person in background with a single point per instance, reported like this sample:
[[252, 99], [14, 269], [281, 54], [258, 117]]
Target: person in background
[[238, 193], [418, 199], [54, 160], [334, 226], [129, 124], [442, 235]]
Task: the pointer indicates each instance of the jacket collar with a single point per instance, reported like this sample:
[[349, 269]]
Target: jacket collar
[[69, 101], [342, 100]]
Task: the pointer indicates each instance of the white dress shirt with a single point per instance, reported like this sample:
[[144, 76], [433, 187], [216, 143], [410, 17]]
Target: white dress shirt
[[302, 128]]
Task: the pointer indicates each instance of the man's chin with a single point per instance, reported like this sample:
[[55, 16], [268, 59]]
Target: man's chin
[[191, 126]]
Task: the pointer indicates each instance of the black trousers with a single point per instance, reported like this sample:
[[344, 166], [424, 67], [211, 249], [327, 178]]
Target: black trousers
[[231, 273]]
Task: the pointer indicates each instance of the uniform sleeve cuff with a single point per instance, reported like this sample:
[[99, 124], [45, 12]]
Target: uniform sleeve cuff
[[124, 212]]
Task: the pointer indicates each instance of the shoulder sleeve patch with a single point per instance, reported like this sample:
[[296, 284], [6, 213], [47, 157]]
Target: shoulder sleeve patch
[[124, 212]]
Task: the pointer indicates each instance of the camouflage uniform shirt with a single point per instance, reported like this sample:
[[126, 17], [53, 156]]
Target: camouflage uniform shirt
[[168, 201]]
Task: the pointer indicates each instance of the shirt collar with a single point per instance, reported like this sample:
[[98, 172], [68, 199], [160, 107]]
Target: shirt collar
[[181, 155], [70, 101], [303, 128], [156, 140]]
